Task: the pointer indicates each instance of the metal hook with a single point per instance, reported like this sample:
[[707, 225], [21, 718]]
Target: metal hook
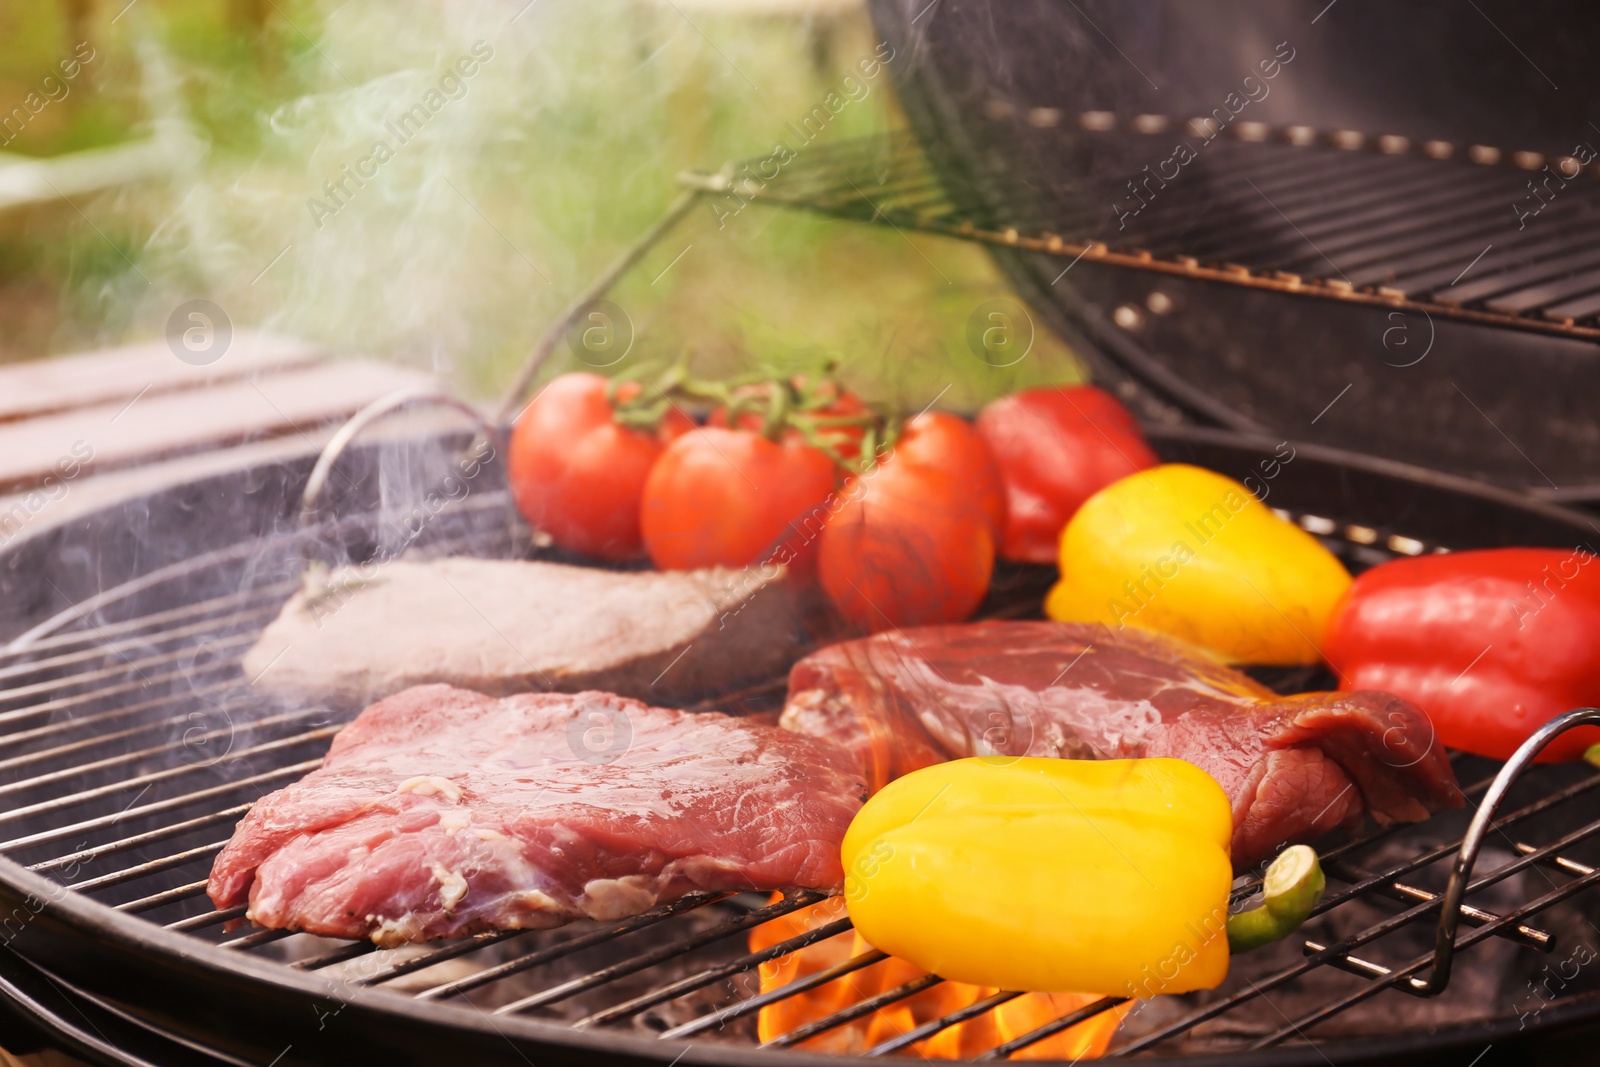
[[1450, 913]]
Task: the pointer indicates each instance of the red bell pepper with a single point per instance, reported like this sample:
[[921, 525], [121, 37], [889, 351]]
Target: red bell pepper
[[1056, 446], [1491, 644]]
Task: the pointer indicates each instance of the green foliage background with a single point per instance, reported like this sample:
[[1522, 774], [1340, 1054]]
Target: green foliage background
[[563, 149]]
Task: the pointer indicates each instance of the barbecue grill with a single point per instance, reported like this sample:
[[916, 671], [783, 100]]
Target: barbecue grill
[[131, 742], [134, 743]]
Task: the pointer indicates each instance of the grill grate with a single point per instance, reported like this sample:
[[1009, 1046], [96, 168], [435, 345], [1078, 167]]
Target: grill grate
[[1462, 232], [97, 710]]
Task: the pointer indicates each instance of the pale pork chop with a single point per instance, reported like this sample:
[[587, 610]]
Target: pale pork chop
[[440, 812], [1295, 767], [512, 626]]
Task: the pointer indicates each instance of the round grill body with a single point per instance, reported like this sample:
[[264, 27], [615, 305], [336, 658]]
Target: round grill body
[[132, 743]]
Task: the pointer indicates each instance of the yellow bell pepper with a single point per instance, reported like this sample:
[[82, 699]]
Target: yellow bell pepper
[[1190, 553], [1051, 875]]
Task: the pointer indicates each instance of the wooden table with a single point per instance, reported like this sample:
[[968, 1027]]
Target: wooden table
[[81, 431]]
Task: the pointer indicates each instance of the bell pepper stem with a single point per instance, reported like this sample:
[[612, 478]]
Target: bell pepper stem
[[1592, 755], [1292, 887]]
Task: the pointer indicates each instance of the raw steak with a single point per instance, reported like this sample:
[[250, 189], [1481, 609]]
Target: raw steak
[[1295, 767], [439, 812], [501, 627]]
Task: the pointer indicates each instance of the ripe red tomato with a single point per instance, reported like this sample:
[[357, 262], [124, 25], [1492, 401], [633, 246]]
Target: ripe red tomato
[[846, 440], [1055, 448], [577, 474], [910, 547], [731, 498], [948, 443]]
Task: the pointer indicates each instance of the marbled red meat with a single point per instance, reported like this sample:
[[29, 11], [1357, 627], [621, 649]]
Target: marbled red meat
[[1294, 767], [441, 812]]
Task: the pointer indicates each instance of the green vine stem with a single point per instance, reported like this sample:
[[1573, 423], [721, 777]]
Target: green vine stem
[[782, 405], [777, 419]]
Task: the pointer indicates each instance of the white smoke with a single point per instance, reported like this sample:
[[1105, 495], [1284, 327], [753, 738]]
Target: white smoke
[[453, 246]]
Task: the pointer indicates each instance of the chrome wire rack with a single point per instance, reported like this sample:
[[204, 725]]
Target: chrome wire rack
[[132, 743], [1382, 221]]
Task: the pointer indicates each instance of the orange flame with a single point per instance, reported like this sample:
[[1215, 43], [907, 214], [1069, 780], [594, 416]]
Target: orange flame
[[1014, 1018]]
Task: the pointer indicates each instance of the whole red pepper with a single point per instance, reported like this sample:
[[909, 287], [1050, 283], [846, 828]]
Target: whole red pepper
[[1491, 644], [1055, 447]]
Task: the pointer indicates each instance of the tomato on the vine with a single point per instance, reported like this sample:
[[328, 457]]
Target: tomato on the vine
[[914, 542], [948, 442], [577, 474], [1055, 448], [907, 549], [732, 498]]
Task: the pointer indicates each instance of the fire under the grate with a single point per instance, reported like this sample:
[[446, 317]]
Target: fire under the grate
[[132, 745]]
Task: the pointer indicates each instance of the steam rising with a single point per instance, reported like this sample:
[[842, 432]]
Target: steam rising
[[457, 172]]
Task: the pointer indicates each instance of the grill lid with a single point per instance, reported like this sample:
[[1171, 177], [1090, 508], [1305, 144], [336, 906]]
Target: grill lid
[[1158, 199]]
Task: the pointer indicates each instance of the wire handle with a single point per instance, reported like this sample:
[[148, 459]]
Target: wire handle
[[1450, 907], [373, 412]]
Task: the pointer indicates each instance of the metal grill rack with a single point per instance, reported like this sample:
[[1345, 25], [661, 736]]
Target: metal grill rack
[[132, 743], [1381, 221]]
